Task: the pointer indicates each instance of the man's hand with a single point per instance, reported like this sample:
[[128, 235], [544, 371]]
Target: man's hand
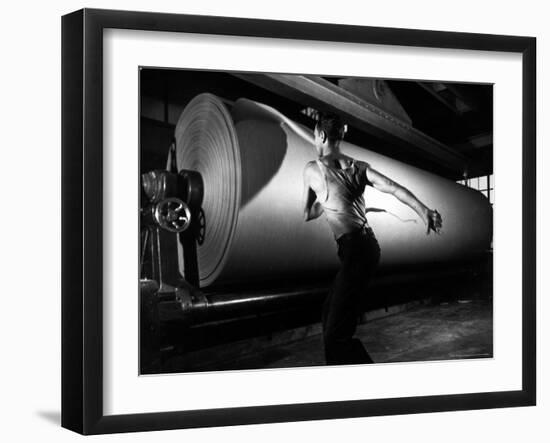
[[433, 221]]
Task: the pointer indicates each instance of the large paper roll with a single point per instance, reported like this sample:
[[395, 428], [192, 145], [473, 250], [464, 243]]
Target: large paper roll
[[252, 160]]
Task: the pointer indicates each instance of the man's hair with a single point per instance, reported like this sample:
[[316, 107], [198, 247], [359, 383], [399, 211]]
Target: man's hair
[[332, 125]]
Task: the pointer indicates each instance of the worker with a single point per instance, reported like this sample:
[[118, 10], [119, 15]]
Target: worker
[[334, 185]]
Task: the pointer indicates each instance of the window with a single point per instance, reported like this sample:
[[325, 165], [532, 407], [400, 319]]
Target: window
[[484, 184]]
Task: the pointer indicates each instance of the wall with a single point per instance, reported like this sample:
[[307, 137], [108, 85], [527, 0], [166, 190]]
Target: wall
[[30, 179]]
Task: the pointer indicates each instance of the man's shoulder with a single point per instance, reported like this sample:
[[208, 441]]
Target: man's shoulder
[[312, 170], [361, 165], [311, 166]]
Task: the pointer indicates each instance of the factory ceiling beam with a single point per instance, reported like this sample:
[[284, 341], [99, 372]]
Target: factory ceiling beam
[[323, 95], [476, 142], [453, 103]]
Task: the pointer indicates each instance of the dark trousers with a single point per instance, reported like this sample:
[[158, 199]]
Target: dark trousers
[[359, 255]]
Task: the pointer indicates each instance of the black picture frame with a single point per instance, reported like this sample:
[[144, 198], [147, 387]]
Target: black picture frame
[[82, 230]]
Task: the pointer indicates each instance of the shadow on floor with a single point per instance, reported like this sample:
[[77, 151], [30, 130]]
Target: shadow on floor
[[54, 417]]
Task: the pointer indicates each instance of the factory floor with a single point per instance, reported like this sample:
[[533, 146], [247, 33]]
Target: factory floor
[[434, 331], [449, 331]]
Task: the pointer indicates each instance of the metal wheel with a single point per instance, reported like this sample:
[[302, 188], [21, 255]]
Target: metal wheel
[[172, 214]]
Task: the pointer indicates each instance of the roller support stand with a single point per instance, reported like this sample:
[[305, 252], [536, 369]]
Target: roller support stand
[[149, 352]]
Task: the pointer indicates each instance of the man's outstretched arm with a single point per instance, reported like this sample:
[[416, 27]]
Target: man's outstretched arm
[[430, 217]]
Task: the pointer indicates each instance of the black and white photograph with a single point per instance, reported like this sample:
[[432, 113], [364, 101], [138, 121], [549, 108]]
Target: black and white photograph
[[306, 220]]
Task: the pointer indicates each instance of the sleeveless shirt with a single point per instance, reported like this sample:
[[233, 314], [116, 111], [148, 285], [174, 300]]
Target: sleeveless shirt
[[342, 199]]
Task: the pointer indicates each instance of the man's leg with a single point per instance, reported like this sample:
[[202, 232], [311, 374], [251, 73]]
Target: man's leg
[[359, 258], [340, 322]]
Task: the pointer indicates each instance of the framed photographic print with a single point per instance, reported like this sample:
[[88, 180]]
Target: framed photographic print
[[270, 221]]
